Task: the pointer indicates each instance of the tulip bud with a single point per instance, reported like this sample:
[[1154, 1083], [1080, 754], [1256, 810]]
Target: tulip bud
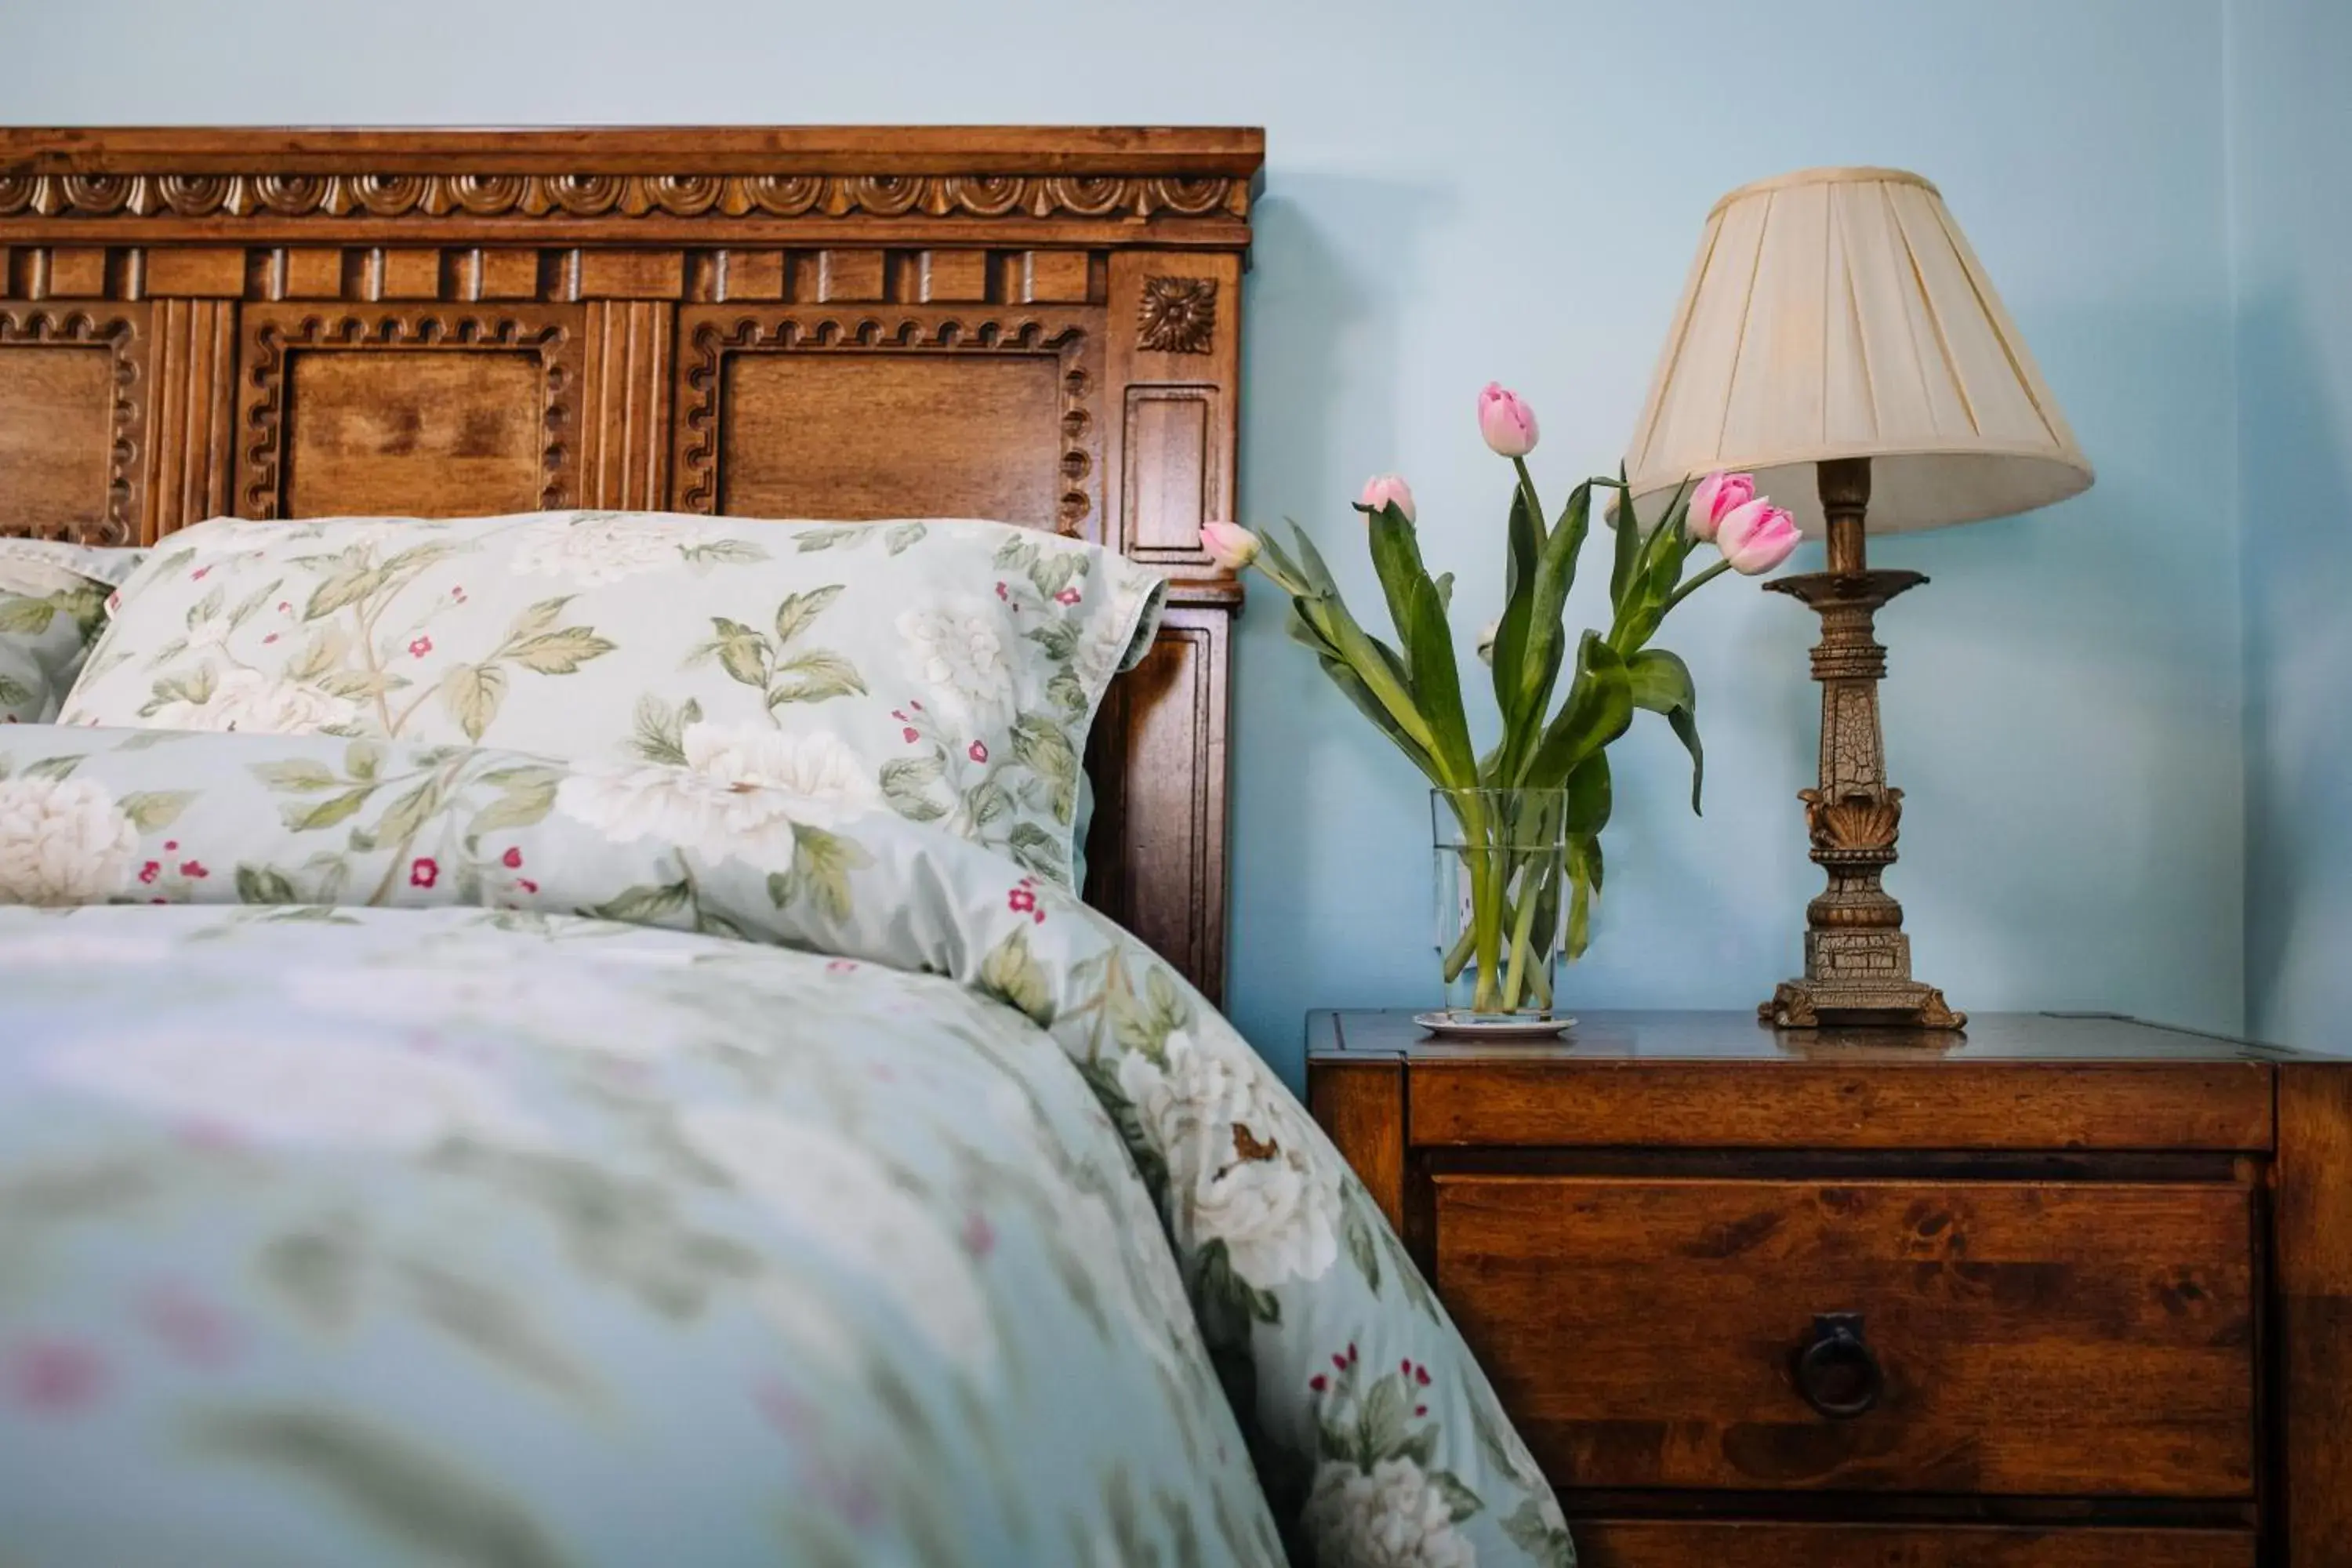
[[1756, 537], [1714, 497], [1386, 489], [1508, 424], [1486, 635], [1229, 544]]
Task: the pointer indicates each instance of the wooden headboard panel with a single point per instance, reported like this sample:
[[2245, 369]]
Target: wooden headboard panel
[[1037, 325]]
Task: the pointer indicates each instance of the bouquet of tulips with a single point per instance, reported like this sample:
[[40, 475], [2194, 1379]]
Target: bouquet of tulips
[[1551, 757]]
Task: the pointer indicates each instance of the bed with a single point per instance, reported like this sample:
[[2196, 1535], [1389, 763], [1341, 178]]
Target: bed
[[424, 1138]]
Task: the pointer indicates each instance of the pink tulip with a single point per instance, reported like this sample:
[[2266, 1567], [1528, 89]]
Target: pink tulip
[[1508, 424], [1756, 537], [1229, 544], [1714, 497], [1386, 489]]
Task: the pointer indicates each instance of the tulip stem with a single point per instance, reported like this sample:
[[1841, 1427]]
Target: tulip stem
[[1696, 584], [1520, 929], [1528, 489]]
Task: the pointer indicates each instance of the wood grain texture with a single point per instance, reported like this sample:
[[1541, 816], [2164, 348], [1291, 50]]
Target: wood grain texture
[[1360, 1106], [190, 415], [2109, 1292], [1173, 460], [1834, 1104], [406, 410], [866, 185], [2034, 1338], [1715, 1543], [627, 364], [72, 418], [2312, 1282], [303, 322], [910, 412], [1165, 719]]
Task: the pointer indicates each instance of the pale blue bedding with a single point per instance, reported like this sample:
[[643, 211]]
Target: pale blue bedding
[[482, 1160]]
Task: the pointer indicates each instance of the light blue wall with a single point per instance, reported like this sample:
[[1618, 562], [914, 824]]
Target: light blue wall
[[2290, 226], [1514, 191]]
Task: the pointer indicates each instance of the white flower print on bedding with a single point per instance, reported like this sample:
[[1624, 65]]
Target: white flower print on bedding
[[62, 841], [248, 700], [710, 815], [957, 652], [947, 669], [821, 768], [1394, 1517], [593, 548], [1237, 1152]]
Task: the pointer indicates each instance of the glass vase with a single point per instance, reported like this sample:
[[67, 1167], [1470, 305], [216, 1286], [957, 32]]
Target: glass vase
[[1501, 858]]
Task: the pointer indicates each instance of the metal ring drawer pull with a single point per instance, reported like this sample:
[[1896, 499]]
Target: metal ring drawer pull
[[1837, 1374]]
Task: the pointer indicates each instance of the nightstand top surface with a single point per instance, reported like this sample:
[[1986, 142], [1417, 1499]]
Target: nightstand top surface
[[1624, 1037]]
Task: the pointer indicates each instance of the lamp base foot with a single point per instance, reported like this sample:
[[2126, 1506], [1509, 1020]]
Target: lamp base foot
[[1810, 1003]]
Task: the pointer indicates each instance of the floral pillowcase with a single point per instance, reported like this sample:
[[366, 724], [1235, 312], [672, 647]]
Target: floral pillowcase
[[949, 670], [53, 599]]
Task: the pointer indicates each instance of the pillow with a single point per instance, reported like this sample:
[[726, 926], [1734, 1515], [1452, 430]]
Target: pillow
[[52, 600], [950, 669]]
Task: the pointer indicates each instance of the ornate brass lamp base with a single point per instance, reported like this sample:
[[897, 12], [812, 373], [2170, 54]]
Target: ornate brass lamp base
[[1857, 960]]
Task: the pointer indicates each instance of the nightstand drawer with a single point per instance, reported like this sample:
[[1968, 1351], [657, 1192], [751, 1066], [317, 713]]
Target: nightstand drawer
[[1657, 1544], [2086, 1339]]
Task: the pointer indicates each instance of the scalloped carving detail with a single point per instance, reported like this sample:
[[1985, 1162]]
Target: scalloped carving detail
[[490, 193]]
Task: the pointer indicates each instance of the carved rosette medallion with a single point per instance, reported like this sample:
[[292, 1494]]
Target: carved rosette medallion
[[1178, 316]]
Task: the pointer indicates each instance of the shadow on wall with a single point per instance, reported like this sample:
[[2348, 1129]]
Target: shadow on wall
[[2294, 474], [1321, 370]]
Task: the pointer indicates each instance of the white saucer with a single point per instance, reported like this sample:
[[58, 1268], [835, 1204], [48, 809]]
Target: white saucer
[[1454, 1027]]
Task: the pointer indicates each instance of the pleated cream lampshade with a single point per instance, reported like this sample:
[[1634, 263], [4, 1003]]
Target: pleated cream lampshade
[[1839, 313]]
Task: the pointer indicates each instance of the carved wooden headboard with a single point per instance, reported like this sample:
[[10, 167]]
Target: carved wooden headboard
[[1037, 325]]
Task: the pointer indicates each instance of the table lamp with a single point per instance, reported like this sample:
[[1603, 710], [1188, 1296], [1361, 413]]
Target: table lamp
[[1838, 339]]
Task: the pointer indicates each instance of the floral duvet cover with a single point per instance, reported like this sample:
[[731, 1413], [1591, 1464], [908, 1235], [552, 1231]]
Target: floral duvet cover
[[489, 1161]]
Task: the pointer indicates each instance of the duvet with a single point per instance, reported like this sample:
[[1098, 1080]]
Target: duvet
[[481, 1160]]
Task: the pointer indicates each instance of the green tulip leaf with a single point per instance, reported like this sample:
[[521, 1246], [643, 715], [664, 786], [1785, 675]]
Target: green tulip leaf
[[1396, 559], [1628, 524], [1598, 707], [1662, 684], [1584, 885], [1370, 707], [1589, 798], [1547, 638], [1435, 681], [1524, 535]]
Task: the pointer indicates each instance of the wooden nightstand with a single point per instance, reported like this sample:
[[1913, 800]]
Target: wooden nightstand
[[2074, 1291]]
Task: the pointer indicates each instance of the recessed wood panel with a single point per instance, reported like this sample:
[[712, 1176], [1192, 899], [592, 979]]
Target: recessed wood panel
[[1167, 463], [56, 417], [430, 410], [1166, 718], [424, 435], [71, 395], [913, 436], [2032, 1338]]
